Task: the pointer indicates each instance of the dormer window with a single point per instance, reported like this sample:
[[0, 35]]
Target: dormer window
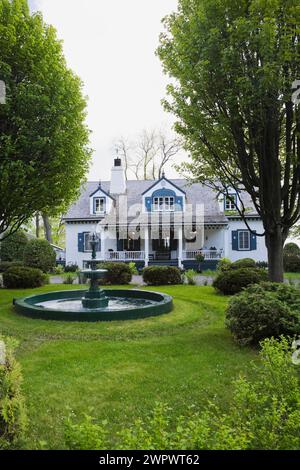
[[230, 202], [99, 205], [163, 203]]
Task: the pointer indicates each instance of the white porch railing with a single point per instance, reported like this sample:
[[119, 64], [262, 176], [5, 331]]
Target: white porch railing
[[124, 256], [208, 254]]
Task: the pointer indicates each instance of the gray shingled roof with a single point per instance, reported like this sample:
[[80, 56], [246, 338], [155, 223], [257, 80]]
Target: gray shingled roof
[[195, 193]]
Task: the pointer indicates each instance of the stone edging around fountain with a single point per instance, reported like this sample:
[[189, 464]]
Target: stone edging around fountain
[[27, 306]]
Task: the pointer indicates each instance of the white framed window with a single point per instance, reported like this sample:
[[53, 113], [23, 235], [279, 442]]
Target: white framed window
[[87, 242], [244, 240], [164, 203], [230, 202], [99, 205]]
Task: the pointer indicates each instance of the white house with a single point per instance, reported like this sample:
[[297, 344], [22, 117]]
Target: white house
[[161, 222]]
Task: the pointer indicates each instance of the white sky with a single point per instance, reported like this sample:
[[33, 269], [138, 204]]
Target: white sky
[[110, 44]]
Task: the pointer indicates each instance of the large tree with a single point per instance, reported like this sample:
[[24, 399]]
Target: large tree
[[235, 63], [43, 135]]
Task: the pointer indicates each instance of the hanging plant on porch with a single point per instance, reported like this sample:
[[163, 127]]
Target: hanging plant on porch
[[200, 258]]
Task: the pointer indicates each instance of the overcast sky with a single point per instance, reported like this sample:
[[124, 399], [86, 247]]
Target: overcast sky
[[110, 44]]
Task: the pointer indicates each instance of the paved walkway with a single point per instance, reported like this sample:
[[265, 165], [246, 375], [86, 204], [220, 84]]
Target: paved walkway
[[138, 280]]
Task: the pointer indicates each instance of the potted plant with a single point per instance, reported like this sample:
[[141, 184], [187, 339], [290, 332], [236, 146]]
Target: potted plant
[[200, 258]]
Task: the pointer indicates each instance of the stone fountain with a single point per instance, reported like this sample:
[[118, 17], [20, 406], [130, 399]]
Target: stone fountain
[[94, 297]]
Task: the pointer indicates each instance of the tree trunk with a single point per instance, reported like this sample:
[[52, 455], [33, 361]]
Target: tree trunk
[[47, 228], [274, 242], [37, 225]]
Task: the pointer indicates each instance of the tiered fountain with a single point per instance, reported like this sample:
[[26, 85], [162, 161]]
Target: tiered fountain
[[95, 304]]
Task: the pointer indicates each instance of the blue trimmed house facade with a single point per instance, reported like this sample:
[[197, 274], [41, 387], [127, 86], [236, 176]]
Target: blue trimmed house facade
[[166, 222]]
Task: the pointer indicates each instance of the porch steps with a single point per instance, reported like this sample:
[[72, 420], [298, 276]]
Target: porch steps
[[166, 262]]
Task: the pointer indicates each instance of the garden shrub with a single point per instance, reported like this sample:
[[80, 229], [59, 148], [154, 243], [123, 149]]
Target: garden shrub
[[71, 268], [40, 254], [24, 277], [263, 414], [291, 249], [12, 406], [133, 268], [118, 273], [224, 265], [243, 263], [291, 263], [162, 275], [233, 281], [262, 311], [190, 277], [5, 265], [12, 248]]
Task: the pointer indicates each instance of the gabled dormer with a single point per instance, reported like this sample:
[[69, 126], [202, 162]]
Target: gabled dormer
[[164, 196], [100, 202], [229, 202]]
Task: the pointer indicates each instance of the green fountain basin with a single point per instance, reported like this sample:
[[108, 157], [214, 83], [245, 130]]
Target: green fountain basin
[[67, 305]]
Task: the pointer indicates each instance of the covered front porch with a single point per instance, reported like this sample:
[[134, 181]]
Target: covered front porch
[[149, 246]]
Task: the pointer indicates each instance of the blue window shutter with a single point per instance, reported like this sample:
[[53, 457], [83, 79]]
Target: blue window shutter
[[94, 205], [253, 241], [148, 202], [81, 242], [120, 245], [235, 244]]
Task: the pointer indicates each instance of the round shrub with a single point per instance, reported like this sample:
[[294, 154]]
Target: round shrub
[[224, 265], [23, 277], [291, 249], [291, 263], [243, 263], [71, 268], [162, 275], [12, 248], [39, 254], [118, 273], [263, 311], [233, 281], [5, 265]]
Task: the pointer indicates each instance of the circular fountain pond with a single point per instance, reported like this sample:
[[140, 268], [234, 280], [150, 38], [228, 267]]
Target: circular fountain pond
[[94, 304], [120, 305]]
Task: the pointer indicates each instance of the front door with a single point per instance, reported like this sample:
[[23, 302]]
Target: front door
[[163, 246]]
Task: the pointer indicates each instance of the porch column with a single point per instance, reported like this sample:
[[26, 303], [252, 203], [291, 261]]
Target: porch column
[[180, 247], [103, 237], [146, 241], [226, 242]]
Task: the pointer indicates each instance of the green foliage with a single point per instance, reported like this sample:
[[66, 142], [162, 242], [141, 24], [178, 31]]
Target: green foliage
[[200, 258], [224, 265], [12, 248], [161, 275], [291, 262], [5, 265], [133, 269], [263, 414], [291, 249], [118, 273], [71, 268], [243, 263], [190, 275], [262, 311], [69, 279], [24, 277], [44, 137], [13, 419], [233, 281], [40, 254]]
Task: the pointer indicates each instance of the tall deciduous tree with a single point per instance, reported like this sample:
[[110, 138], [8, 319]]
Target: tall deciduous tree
[[235, 63], [43, 136]]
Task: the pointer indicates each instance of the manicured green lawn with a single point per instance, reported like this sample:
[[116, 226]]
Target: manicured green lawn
[[292, 275], [118, 370]]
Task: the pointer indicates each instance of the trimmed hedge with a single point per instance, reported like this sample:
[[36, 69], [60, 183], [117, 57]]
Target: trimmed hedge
[[71, 268], [118, 273], [264, 311], [40, 254], [243, 263], [12, 248], [291, 249], [5, 265], [162, 275], [24, 277], [234, 281], [291, 263]]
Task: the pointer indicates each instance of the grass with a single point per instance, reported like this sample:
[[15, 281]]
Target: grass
[[118, 370]]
